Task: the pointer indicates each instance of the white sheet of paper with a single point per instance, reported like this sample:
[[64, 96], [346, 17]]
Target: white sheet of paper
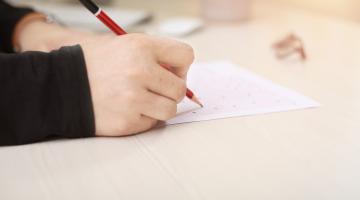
[[227, 90]]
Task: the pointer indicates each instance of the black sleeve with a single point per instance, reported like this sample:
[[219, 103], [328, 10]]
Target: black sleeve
[[9, 16], [44, 95]]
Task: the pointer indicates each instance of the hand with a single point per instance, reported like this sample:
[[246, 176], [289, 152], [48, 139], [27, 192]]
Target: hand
[[130, 89], [42, 36]]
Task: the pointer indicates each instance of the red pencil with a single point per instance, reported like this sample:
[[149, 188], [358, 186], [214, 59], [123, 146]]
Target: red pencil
[[104, 18]]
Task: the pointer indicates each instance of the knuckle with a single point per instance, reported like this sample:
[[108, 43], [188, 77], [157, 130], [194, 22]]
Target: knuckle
[[139, 41], [169, 111], [131, 97], [135, 73], [133, 36], [190, 54], [130, 125], [124, 128], [151, 124], [180, 90]]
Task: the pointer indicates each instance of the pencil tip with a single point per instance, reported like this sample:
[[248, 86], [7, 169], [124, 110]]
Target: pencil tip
[[196, 100]]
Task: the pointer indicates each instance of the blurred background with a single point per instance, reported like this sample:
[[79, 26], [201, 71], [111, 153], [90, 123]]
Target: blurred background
[[345, 8], [349, 9], [248, 27]]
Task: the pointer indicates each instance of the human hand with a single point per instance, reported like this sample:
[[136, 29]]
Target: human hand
[[41, 36], [130, 89]]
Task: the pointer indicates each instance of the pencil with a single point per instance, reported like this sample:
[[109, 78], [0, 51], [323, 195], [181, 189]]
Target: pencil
[[105, 19]]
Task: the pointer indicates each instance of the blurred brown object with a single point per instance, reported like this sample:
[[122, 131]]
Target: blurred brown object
[[288, 46]]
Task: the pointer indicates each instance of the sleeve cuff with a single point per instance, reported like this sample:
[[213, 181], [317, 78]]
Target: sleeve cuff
[[45, 95], [75, 93]]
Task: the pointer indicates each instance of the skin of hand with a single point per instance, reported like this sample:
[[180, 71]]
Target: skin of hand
[[131, 91], [41, 36]]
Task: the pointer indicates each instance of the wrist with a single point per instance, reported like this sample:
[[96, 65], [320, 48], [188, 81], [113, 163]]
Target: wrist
[[41, 35], [22, 25]]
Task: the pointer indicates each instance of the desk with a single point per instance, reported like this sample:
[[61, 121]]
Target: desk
[[307, 154]]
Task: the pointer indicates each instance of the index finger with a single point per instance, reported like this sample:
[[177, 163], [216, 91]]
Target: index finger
[[174, 55]]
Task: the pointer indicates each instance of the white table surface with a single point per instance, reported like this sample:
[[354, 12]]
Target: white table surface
[[307, 154]]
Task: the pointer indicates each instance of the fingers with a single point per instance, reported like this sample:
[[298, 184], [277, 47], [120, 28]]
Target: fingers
[[139, 124], [158, 107], [167, 84], [145, 123], [174, 55], [130, 90]]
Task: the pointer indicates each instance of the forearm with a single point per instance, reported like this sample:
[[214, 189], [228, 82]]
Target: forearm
[[9, 17], [44, 95], [39, 35], [22, 29]]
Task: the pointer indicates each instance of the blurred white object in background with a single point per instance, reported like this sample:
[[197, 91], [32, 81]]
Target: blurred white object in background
[[180, 26], [78, 16], [226, 10]]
